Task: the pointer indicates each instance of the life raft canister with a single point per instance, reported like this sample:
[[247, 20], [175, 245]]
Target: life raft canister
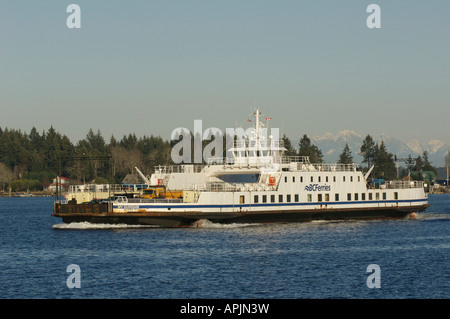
[[271, 180]]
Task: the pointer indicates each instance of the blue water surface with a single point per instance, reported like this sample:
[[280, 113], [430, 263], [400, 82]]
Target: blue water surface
[[305, 260]]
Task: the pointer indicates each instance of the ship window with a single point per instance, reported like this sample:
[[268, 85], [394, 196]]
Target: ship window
[[363, 196], [296, 198], [349, 196], [326, 179], [370, 196], [285, 179], [351, 178], [309, 197], [288, 198], [264, 199], [280, 198], [293, 179], [334, 179], [319, 179], [377, 196], [336, 197], [241, 199], [319, 197], [359, 178], [384, 195], [301, 179], [327, 197], [356, 196], [343, 178], [395, 195], [272, 198], [312, 179], [255, 200]]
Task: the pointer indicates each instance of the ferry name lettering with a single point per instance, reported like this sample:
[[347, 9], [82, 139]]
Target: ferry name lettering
[[317, 188]]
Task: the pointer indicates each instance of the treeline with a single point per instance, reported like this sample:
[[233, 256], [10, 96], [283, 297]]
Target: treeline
[[373, 154], [31, 160]]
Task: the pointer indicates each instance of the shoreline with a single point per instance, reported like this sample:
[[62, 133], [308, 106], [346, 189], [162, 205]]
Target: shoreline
[[28, 194]]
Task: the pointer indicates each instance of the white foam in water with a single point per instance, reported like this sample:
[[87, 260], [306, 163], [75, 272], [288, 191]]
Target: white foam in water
[[205, 223], [431, 216], [87, 225]]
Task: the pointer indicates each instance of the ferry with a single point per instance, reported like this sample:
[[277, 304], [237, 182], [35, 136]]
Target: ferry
[[256, 184]]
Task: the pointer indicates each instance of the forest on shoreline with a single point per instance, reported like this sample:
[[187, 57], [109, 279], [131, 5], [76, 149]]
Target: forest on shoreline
[[30, 161]]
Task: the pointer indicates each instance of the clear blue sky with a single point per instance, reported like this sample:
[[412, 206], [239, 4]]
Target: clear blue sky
[[148, 67]]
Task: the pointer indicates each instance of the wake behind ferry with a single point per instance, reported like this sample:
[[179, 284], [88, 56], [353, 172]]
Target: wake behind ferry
[[258, 185]]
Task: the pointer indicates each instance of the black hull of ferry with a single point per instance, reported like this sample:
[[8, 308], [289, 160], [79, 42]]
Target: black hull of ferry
[[167, 219]]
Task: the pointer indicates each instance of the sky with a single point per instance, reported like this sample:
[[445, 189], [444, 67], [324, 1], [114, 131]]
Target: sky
[[149, 67]]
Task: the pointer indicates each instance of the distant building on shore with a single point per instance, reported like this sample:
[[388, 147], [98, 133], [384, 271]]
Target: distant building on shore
[[64, 184]]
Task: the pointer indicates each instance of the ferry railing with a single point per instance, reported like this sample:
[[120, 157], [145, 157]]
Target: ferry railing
[[186, 168], [404, 184], [252, 144], [229, 187], [293, 159], [301, 163], [241, 162], [95, 188], [397, 185]]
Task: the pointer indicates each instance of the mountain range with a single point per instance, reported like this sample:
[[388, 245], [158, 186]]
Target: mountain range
[[332, 146]]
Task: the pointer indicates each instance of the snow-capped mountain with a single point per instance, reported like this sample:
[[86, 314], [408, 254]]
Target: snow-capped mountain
[[332, 146]]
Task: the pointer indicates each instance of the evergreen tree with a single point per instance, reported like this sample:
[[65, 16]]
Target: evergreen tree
[[384, 163], [427, 164], [35, 139], [346, 156], [311, 150], [418, 164], [96, 142], [409, 163], [290, 151], [112, 141], [368, 150], [129, 142]]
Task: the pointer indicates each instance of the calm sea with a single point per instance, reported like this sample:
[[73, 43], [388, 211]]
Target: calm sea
[[309, 260]]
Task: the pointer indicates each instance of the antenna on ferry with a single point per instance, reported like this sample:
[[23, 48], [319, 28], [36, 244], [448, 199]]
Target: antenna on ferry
[[257, 114], [267, 122]]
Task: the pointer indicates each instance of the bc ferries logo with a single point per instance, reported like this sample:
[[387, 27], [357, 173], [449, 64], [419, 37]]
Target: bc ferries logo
[[317, 188]]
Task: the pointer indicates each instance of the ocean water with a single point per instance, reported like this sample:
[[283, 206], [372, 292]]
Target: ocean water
[[274, 261]]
